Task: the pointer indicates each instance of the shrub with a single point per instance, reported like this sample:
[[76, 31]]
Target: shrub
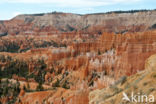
[[56, 84], [65, 85], [8, 89], [39, 87], [99, 53]]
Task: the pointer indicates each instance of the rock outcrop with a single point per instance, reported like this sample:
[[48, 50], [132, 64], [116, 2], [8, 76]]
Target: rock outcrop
[[53, 23], [78, 68], [142, 83]]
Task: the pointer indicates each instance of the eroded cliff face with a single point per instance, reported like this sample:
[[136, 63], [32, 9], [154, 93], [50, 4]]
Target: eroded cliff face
[[69, 72], [142, 83], [53, 23]]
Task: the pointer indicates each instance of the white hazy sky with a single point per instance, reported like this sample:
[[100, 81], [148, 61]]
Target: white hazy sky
[[11, 8]]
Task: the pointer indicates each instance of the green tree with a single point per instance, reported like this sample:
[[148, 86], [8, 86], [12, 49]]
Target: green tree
[[57, 83], [65, 85], [40, 87]]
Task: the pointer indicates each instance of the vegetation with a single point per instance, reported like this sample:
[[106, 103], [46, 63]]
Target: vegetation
[[39, 87], [120, 11], [14, 66], [9, 89], [99, 53], [41, 72], [129, 11], [14, 46], [20, 68], [153, 26], [65, 85], [56, 84]]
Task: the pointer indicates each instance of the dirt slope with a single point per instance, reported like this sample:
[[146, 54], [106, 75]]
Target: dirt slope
[[142, 83]]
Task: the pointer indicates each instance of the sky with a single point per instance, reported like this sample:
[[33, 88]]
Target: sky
[[12, 8]]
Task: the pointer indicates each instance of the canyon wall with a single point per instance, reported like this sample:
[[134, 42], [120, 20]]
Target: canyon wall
[[54, 23]]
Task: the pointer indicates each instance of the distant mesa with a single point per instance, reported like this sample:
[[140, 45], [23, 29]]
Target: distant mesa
[[96, 23]]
